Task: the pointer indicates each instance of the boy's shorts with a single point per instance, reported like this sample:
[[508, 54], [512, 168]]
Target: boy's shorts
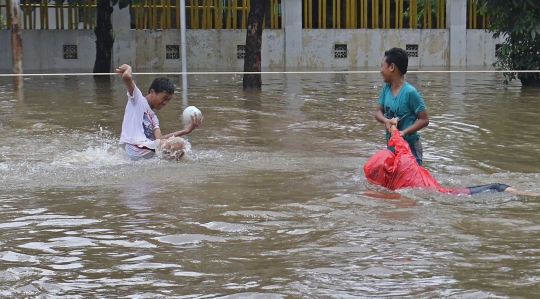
[[417, 151], [137, 152], [489, 188]]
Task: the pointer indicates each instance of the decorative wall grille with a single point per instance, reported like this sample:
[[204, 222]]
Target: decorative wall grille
[[340, 51], [241, 51], [412, 50], [70, 51], [172, 51]]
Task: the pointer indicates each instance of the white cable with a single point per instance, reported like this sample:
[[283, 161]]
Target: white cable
[[263, 73]]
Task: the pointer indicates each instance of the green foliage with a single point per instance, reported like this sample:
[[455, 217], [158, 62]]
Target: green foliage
[[3, 22], [422, 10], [518, 22]]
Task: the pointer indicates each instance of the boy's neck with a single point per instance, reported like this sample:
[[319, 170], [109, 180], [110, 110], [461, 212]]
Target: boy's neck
[[397, 82]]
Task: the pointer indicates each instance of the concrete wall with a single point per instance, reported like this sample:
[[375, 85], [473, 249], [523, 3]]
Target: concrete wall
[[291, 46], [365, 46], [205, 48], [481, 47], [42, 49]]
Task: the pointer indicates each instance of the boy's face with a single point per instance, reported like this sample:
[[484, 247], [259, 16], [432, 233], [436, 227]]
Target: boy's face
[[160, 100], [387, 70]]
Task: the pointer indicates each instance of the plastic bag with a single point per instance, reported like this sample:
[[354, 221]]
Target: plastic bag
[[400, 170]]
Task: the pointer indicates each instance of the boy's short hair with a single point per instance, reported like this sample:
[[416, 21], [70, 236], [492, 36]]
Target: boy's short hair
[[162, 84], [398, 57]]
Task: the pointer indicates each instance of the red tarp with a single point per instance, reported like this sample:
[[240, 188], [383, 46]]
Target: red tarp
[[400, 170]]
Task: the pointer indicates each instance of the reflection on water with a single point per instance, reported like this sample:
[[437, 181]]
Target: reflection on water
[[271, 200]]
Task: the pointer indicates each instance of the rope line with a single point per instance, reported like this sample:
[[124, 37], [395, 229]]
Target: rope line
[[262, 73]]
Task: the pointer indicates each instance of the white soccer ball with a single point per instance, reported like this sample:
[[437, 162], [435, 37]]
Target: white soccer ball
[[190, 111]]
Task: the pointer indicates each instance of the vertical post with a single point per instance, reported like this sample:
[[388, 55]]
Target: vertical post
[[413, 21], [292, 24], [335, 22], [16, 45], [456, 21], [123, 50], [183, 46]]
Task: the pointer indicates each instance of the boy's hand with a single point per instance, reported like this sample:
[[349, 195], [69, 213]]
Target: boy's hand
[[389, 122], [195, 122], [394, 121], [125, 71]]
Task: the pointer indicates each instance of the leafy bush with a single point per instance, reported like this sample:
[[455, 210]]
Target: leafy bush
[[518, 22]]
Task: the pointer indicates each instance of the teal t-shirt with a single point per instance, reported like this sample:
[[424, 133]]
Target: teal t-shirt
[[406, 105]]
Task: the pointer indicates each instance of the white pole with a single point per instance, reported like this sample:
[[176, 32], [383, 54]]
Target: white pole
[[183, 46]]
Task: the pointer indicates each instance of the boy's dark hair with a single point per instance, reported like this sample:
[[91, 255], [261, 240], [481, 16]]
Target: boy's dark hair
[[398, 57], [162, 84]]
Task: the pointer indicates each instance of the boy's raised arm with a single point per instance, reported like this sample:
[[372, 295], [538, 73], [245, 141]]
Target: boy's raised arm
[[125, 72], [195, 122]]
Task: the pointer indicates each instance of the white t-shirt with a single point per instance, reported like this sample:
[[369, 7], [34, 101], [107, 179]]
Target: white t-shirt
[[139, 121]]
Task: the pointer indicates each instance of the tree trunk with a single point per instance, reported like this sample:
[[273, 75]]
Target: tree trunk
[[252, 60], [16, 44], [104, 38]]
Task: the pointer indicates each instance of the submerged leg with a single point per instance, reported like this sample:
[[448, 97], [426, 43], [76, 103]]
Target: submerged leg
[[489, 188], [515, 191], [496, 187]]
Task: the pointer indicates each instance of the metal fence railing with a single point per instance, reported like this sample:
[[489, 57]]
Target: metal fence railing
[[42, 14], [232, 14], [374, 14], [147, 14], [200, 14], [474, 19]]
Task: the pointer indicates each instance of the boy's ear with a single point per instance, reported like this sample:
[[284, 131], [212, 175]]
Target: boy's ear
[[392, 67]]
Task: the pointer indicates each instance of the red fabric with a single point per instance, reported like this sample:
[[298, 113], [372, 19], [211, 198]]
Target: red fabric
[[400, 170]]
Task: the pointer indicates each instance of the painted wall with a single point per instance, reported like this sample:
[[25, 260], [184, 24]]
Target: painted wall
[[365, 46], [43, 50], [481, 47], [207, 49], [291, 46]]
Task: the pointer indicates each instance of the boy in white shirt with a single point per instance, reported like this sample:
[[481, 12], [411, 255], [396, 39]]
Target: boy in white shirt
[[141, 135]]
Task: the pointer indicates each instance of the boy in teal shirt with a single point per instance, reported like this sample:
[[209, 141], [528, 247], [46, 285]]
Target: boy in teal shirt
[[400, 103]]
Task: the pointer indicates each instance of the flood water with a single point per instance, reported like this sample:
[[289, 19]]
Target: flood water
[[271, 201]]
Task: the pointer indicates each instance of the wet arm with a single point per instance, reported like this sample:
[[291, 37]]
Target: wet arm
[[195, 122], [379, 116], [422, 121], [159, 135], [127, 76]]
